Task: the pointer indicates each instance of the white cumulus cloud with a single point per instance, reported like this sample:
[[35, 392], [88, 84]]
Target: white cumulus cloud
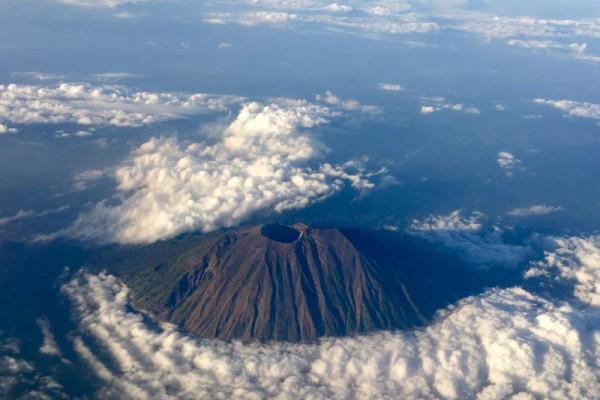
[[509, 163], [575, 260], [337, 8], [264, 160], [427, 110], [437, 104]]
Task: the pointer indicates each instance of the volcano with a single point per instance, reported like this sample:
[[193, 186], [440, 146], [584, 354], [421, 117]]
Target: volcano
[[273, 282], [287, 283]]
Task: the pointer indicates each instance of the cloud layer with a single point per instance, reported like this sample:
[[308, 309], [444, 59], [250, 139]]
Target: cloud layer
[[373, 19], [262, 161], [86, 104], [506, 343], [390, 18]]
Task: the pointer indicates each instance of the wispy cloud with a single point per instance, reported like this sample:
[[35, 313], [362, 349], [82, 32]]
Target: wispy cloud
[[27, 214], [390, 87], [473, 239], [536, 210]]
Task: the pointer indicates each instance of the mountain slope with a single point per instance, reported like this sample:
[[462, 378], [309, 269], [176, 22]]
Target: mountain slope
[[274, 283], [296, 283]]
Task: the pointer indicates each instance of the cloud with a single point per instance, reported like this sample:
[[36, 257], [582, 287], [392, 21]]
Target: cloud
[[553, 35], [348, 105], [267, 17], [471, 237], [286, 4], [536, 210], [21, 214], [575, 260], [5, 129], [20, 378], [82, 180], [437, 104], [116, 76], [337, 8], [472, 110], [389, 9], [390, 87], [536, 44], [264, 160], [82, 133], [224, 45], [369, 22], [427, 110], [85, 104], [27, 214], [376, 19], [455, 221], [99, 3], [503, 27], [574, 109], [49, 346], [37, 76], [509, 163], [576, 50], [505, 343], [214, 21]]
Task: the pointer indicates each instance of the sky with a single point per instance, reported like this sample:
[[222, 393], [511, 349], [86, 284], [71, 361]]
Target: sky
[[471, 125]]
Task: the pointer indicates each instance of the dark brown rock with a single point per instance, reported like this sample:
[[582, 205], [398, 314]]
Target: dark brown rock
[[275, 283]]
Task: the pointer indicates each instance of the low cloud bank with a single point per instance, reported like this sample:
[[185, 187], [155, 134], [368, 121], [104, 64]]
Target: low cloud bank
[[508, 343]]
